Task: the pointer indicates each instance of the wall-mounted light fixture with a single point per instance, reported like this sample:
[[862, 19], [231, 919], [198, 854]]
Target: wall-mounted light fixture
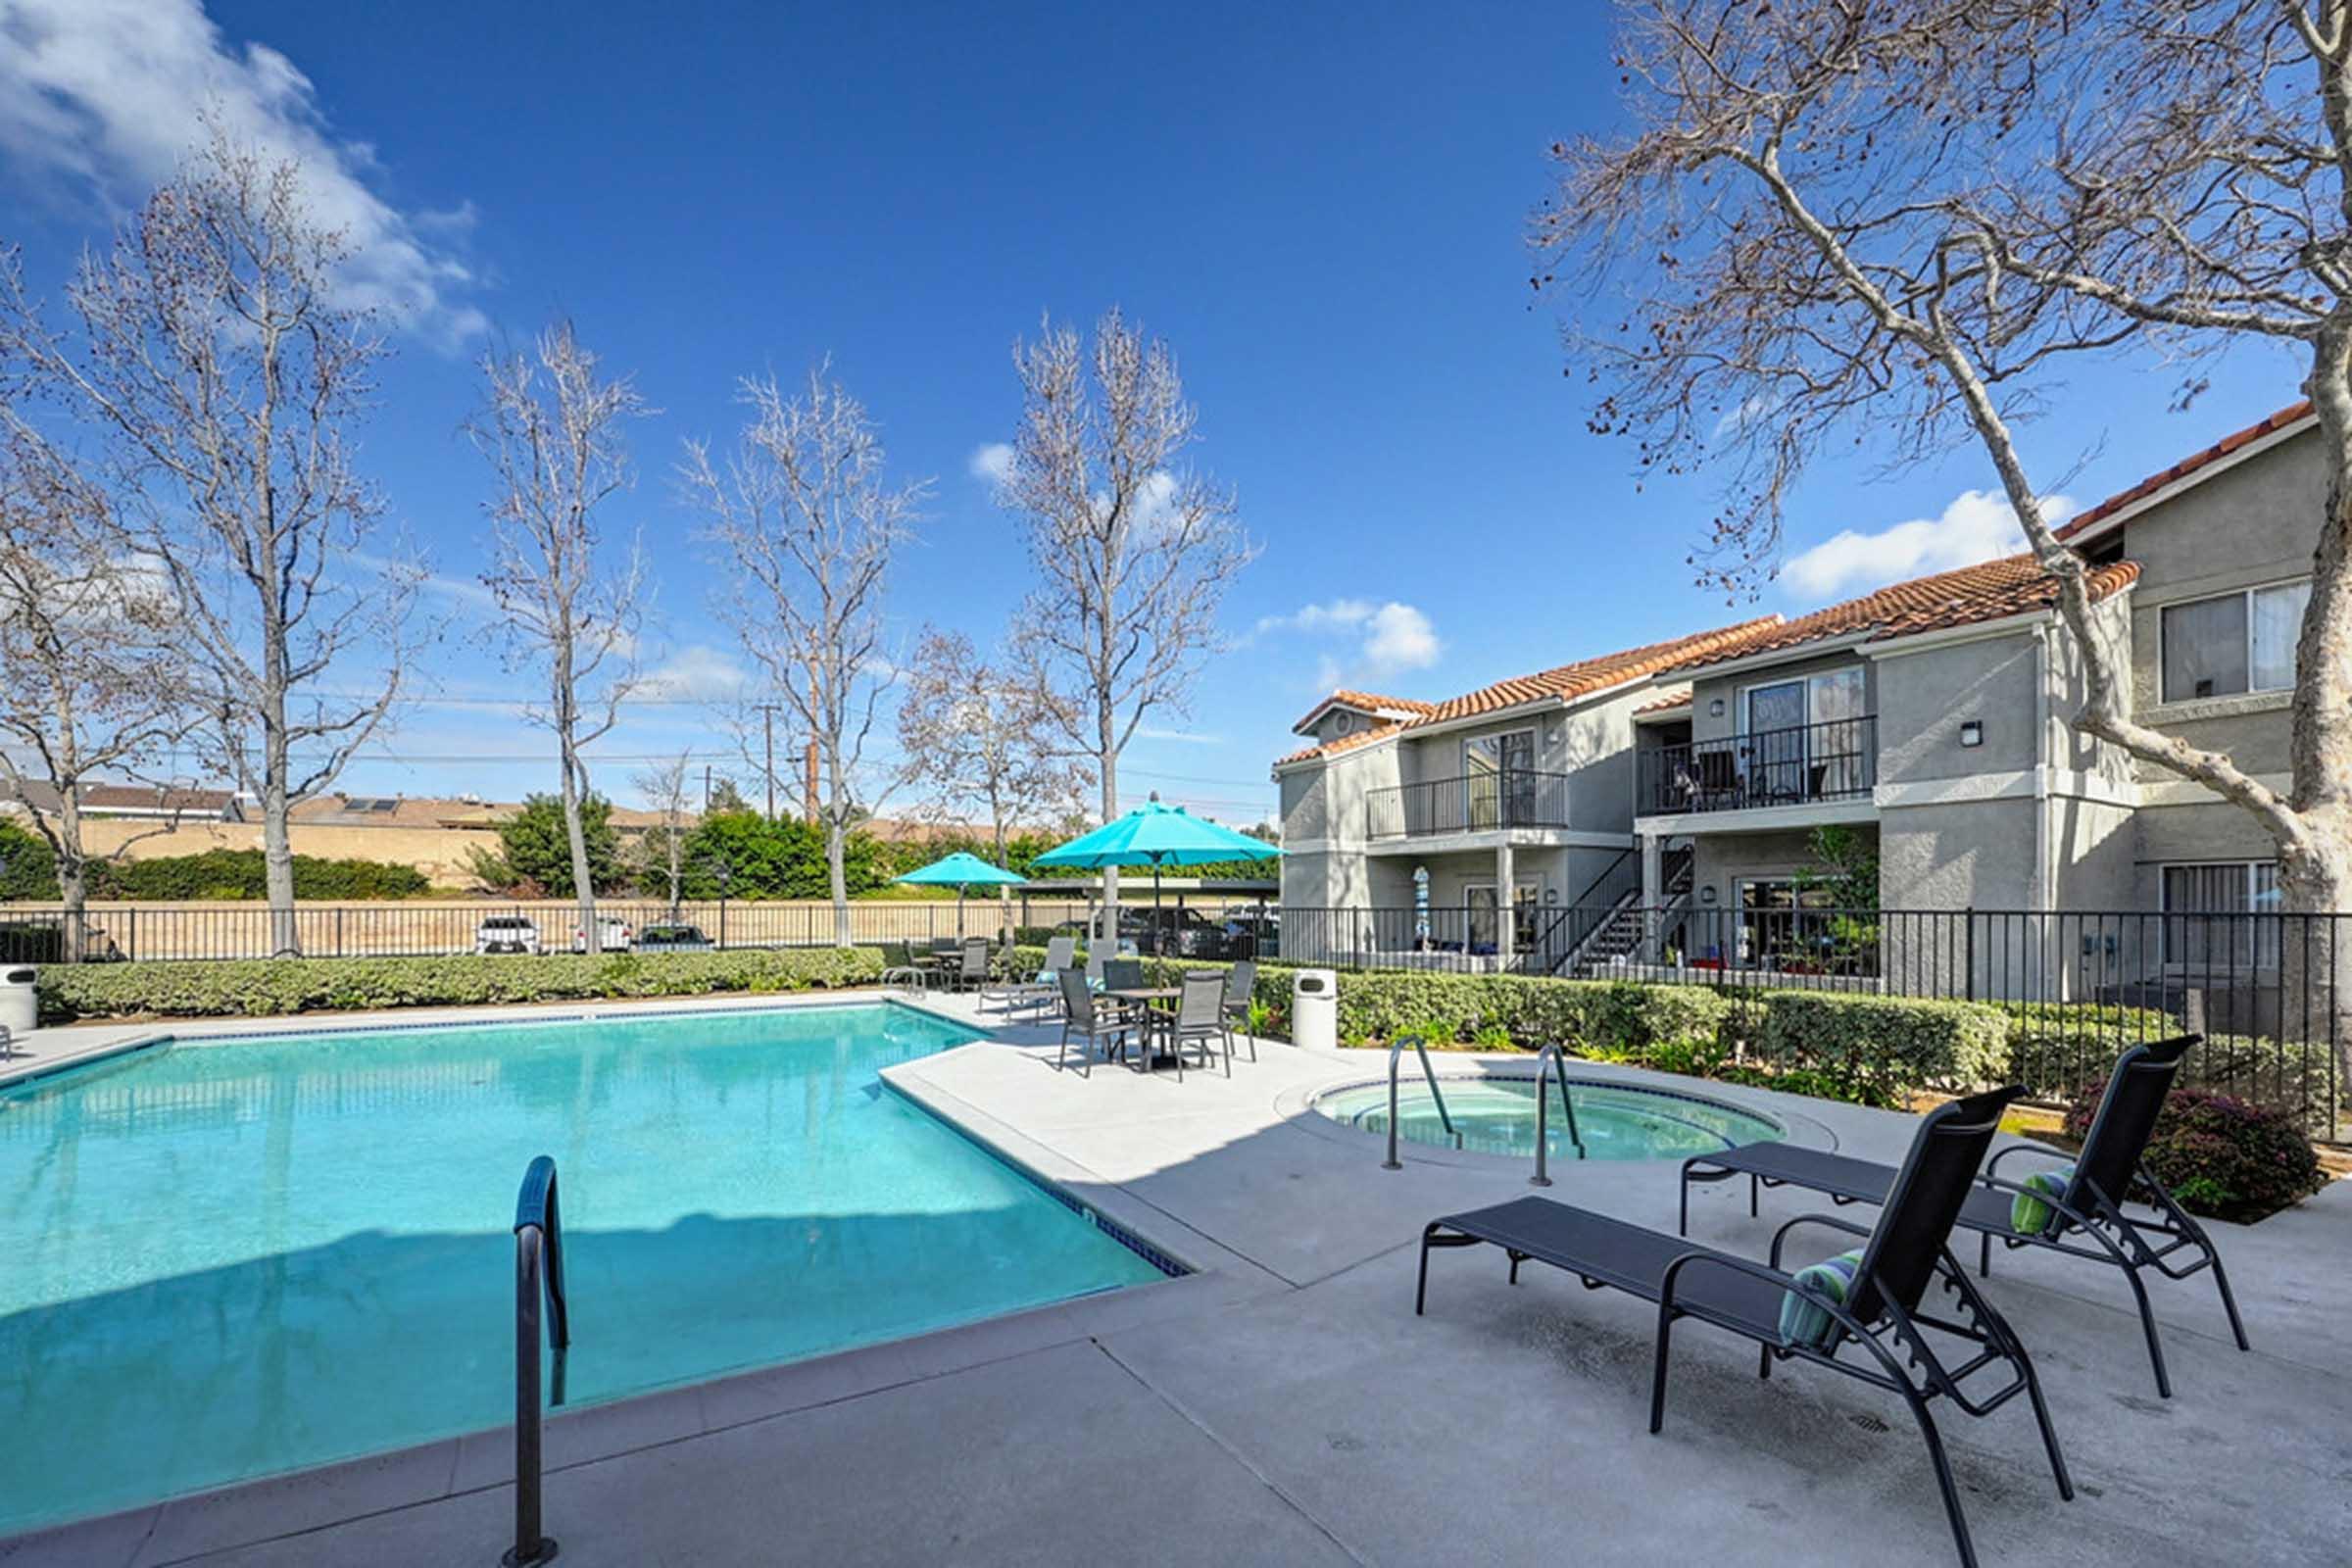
[[1551, 737], [1552, 894], [1972, 732], [1706, 895], [1715, 708]]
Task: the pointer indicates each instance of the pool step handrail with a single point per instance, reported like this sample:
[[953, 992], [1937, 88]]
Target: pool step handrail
[[538, 1273], [1550, 1064], [1395, 1053]]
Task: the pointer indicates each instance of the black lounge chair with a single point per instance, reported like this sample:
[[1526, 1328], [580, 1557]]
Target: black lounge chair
[[2086, 1220], [1881, 1314]]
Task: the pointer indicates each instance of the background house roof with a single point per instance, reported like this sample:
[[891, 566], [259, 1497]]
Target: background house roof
[[2011, 586], [1563, 683], [1680, 696]]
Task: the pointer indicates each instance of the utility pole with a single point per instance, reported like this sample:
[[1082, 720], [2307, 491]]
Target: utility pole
[[767, 731]]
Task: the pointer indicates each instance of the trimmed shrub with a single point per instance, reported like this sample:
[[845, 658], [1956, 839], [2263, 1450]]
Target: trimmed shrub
[[2219, 1155], [262, 988], [1891, 1043]]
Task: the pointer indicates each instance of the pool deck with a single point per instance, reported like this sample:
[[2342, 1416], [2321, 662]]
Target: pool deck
[[1284, 1404]]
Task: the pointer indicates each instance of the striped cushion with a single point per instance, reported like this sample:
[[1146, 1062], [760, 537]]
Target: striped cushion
[[1803, 1322], [2028, 1215]]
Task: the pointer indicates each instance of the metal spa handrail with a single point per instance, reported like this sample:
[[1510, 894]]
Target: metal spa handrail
[[1550, 1064], [1395, 1050], [538, 1270]]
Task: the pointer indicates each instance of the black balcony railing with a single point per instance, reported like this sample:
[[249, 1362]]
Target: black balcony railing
[[1515, 797], [1836, 760]]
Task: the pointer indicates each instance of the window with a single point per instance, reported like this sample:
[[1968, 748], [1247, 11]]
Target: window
[[1498, 774], [2237, 643], [2221, 917]]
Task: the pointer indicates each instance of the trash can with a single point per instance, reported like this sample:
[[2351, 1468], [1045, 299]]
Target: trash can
[[20, 1005], [1315, 1009]]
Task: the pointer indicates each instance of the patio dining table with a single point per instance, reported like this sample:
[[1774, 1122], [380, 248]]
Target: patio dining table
[[1152, 1007]]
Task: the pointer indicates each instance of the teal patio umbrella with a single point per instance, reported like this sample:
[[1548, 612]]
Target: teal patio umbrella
[[960, 870], [1157, 836]]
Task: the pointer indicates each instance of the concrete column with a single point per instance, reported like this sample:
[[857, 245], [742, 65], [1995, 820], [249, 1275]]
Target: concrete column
[[1506, 900]]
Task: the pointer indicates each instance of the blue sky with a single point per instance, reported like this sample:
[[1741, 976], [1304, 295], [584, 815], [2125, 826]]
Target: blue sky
[[1322, 209]]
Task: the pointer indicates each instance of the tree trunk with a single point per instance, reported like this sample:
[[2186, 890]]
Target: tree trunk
[[1107, 757], [73, 875], [995, 816], [277, 843], [583, 883], [837, 877]]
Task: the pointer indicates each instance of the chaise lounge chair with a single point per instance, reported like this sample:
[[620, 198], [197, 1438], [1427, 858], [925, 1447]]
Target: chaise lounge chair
[[1869, 1298], [2076, 1211], [1042, 992]]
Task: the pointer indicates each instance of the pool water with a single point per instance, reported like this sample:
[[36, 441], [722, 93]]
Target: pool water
[[228, 1260], [1498, 1116]]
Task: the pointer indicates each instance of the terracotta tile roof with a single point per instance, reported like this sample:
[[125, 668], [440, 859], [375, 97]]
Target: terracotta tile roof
[[2010, 586], [1363, 702], [2293, 413], [1562, 683], [1680, 696]]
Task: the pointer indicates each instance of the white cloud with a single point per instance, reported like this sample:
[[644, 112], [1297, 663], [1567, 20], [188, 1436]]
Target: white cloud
[[1978, 525], [1387, 638], [697, 673], [106, 96], [992, 463]]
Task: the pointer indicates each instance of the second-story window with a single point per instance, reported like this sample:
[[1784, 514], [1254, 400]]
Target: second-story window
[[2233, 644]]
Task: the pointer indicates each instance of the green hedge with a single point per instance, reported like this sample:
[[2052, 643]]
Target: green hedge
[[241, 874], [1381, 1005], [1892, 1042], [266, 987]]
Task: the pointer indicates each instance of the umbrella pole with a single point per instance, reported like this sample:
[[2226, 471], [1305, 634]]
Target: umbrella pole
[[959, 911]]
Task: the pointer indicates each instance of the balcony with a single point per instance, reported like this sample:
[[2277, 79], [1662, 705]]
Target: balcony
[[1476, 802], [1806, 765]]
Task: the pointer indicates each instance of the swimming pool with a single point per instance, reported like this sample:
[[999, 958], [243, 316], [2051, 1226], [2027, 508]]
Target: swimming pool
[[226, 1260], [1496, 1116]]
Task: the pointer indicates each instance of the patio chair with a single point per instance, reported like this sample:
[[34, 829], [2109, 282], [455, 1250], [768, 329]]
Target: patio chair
[[900, 968], [971, 970], [1037, 993], [1200, 1016], [1871, 1297], [1241, 984], [1080, 1022], [2077, 1213]]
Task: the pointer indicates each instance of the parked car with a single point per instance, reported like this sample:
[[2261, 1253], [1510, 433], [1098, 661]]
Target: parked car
[[673, 939], [1254, 934], [507, 933], [614, 934], [1170, 931]]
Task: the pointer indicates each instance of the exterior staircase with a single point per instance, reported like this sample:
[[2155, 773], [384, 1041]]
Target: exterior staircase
[[1625, 932]]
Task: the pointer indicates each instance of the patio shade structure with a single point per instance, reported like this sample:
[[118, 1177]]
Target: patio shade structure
[[960, 870], [1157, 836]]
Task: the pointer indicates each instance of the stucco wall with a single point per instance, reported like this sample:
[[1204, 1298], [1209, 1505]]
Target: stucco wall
[[1923, 698], [1956, 855], [2251, 525]]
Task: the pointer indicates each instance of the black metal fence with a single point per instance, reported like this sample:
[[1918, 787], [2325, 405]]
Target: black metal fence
[[2272, 991], [1191, 926]]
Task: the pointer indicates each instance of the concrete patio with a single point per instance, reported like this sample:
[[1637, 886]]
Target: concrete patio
[[1284, 1404]]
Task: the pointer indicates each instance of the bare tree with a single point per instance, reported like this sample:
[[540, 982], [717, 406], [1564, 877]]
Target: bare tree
[[552, 430], [978, 737], [1133, 550], [225, 376], [1909, 218], [668, 788], [94, 688], [808, 524]]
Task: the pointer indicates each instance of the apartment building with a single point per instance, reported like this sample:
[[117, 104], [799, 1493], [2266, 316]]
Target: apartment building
[[1930, 718]]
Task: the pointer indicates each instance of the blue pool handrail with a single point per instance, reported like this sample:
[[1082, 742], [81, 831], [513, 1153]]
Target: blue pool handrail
[[1550, 1064], [538, 1273]]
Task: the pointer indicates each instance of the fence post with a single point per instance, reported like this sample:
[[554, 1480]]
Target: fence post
[[1969, 916], [338, 930], [131, 945], [722, 919]]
